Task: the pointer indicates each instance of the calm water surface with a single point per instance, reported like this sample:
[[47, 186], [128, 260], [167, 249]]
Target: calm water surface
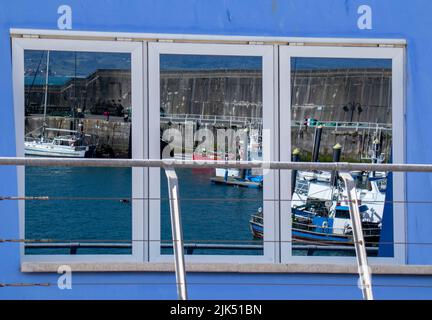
[[217, 213]]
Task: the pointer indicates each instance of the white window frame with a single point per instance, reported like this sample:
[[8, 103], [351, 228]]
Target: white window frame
[[139, 207], [398, 145], [144, 79], [270, 189]]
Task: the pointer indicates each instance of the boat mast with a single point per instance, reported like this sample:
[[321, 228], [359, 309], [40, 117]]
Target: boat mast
[[46, 95]]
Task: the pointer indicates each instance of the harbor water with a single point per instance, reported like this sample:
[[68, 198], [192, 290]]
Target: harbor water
[[211, 213], [70, 217]]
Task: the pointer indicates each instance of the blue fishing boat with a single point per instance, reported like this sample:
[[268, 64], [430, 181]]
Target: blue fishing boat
[[316, 223]]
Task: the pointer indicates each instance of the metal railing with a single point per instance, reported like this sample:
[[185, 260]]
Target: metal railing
[[242, 120], [210, 119], [170, 165], [190, 164], [339, 125]]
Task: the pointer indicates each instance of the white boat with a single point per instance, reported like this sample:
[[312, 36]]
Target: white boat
[[251, 151], [67, 146], [320, 176], [373, 196], [221, 172]]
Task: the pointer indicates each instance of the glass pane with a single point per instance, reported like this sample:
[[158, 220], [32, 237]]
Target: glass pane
[[211, 108], [341, 111], [78, 104]]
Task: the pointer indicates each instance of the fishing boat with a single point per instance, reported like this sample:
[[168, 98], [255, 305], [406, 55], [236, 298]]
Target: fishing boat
[[370, 191], [52, 142], [315, 223], [320, 213]]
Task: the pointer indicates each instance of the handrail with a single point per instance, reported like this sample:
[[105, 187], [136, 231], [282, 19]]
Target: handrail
[[182, 164]]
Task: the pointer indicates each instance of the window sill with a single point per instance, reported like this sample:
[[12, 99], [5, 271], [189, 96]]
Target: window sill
[[228, 267]]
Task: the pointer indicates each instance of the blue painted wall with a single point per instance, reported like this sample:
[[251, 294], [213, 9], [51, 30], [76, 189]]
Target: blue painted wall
[[409, 20]]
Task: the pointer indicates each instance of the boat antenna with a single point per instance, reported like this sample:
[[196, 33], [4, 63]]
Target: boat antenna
[[34, 80], [74, 104], [46, 94]]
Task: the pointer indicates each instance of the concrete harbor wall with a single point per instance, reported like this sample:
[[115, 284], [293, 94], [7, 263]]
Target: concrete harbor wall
[[102, 90], [229, 93], [359, 95], [356, 144], [319, 94]]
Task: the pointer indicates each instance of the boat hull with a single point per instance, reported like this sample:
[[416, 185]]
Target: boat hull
[[197, 156], [257, 230], [316, 238]]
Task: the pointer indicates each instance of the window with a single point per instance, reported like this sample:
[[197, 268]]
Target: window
[[344, 104], [80, 99], [213, 102], [206, 101]]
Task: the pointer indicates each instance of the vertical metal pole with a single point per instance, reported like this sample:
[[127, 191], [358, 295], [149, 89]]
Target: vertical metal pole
[[295, 157], [337, 151], [359, 243], [46, 94], [177, 232], [317, 143]]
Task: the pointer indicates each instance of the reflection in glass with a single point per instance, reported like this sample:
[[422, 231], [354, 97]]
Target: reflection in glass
[[341, 111], [211, 109], [78, 104]]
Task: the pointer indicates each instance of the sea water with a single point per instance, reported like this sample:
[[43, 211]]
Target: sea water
[[87, 207], [81, 210]]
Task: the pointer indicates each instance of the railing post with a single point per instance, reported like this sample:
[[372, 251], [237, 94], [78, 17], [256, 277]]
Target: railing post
[[358, 238], [177, 232]]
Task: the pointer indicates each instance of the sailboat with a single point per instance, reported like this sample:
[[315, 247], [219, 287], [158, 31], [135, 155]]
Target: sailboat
[[70, 144]]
